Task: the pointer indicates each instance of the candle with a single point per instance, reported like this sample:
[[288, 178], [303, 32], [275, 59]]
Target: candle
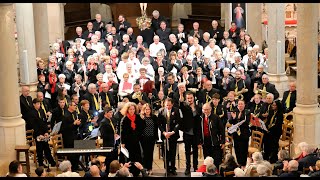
[[26, 67]]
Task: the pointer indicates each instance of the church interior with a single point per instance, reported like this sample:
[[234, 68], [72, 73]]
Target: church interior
[[286, 36]]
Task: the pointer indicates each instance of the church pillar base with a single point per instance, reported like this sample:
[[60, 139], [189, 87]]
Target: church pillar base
[[306, 124], [12, 133], [280, 81]]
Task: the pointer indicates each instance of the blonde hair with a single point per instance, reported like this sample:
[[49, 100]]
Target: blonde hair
[[126, 107], [143, 110]]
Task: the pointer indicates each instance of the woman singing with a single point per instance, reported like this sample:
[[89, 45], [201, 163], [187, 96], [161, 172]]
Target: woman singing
[[271, 138], [241, 136], [132, 127], [149, 136]]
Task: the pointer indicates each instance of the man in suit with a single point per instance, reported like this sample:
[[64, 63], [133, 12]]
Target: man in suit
[[98, 25], [25, 105], [171, 86], [89, 32], [164, 33], [93, 97], [68, 129], [196, 32], [108, 133], [122, 26], [106, 96], [137, 90], [156, 19], [39, 124], [58, 112], [216, 32], [206, 94], [189, 126], [289, 98], [169, 124], [290, 169], [212, 135], [267, 87], [218, 109]]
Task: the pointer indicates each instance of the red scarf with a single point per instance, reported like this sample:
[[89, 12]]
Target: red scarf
[[233, 29], [99, 85], [132, 119], [52, 81], [114, 62]]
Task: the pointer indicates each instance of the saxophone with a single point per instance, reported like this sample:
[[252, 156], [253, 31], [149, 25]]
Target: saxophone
[[170, 90]]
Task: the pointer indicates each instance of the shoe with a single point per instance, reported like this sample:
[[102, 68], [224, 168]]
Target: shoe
[[174, 172], [187, 172], [48, 170], [150, 172]]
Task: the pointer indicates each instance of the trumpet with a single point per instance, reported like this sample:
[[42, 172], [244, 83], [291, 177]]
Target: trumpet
[[264, 93], [41, 138], [137, 95]]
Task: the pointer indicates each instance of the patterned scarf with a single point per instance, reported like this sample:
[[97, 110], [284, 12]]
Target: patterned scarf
[[52, 81]]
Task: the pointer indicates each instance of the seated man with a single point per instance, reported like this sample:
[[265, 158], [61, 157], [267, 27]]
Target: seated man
[[290, 169], [309, 158], [65, 167]]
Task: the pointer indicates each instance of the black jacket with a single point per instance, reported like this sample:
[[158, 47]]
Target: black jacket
[[25, 106], [293, 99], [90, 98], [271, 88], [57, 115], [189, 120], [219, 33], [175, 121], [216, 130], [68, 129], [308, 160], [107, 132], [39, 124], [147, 36], [244, 128]]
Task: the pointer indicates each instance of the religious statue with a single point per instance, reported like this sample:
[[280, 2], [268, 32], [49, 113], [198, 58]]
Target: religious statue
[[143, 22]]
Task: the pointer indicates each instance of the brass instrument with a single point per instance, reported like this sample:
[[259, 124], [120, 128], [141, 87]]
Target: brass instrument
[[239, 94], [170, 89], [40, 139], [137, 95], [262, 92]]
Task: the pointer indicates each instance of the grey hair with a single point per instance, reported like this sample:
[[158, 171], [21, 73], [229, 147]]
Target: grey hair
[[65, 165], [91, 85], [257, 156], [155, 12], [211, 168]]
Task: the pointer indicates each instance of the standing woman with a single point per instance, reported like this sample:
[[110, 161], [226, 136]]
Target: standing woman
[[132, 127], [149, 136], [274, 126], [241, 136]]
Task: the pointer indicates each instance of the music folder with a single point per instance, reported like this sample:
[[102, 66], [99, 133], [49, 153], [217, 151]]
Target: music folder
[[56, 128], [95, 133], [125, 152]]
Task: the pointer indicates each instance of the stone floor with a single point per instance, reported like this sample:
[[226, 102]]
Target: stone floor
[[158, 170]]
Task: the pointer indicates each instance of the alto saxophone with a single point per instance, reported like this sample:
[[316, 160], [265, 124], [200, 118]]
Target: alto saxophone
[[239, 94], [137, 95]]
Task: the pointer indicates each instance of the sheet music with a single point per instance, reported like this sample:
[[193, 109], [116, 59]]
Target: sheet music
[[49, 118], [47, 95], [95, 132], [263, 125], [125, 152], [67, 86], [56, 128]]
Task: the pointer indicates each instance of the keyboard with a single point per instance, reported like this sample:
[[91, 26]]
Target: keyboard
[[84, 151]]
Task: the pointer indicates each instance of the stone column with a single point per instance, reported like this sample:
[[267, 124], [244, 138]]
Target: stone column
[[26, 46], [254, 24], [103, 9], [307, 114], [180, 10], [228, 17], [223, 15], [12, 126], [275, 41], [55, 21], [41, 29]]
